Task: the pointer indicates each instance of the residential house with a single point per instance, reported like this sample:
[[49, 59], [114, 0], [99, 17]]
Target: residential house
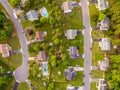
[[102, 4], [42, 56], [43, 11], [73, 52], [32, 15], [102, 84], [45, 68], [5, 49], [103, 64], [40, 36], [69, 87], [23, 1], [105, 24], [67, 6], [70, 73], [71, 34], [105, 44]]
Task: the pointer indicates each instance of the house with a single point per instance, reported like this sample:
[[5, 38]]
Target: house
[[40, 36], [42, 56], [71, 34], [102, 4], [104, 44], [69, 87], [67, 6], [45, 68], [23, 1], [102, 85], [103, 64], [73, 52], [32, 15], [105, 24], [5, 49], [70, 73], [43, 11]]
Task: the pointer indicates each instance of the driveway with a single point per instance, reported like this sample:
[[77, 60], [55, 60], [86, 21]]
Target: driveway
[[87, 44], [21, 73]]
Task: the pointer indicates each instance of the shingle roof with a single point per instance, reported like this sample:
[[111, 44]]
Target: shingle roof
[[5, 49], [32, 15], [102, 4], [42, 56], [39, 36], [73, 52], [67, 7], [104, 24], [71, 34]]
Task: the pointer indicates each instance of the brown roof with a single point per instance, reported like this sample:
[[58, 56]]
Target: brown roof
[[40, 36], [5, 49], [42, 55]]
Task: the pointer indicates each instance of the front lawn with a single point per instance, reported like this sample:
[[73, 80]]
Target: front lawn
[[97, 54], [97, 74], [94, 14], [97, 34], [93, 86]]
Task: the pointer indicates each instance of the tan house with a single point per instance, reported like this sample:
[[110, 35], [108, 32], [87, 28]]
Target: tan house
[[5, 49], [103, 64], [40, 36], [42, 56], [67, 7]]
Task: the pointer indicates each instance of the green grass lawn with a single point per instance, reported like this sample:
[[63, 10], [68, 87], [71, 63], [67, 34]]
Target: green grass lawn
[[73, 20], [94, 14], [97, 34], [23, 86], [97, 74], [93, 86], [97, 54]]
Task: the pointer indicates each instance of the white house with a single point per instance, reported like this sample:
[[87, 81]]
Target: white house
[[32, 15], [102, 4], [102, 84], [67, 7], [71, 34], [104, 44]]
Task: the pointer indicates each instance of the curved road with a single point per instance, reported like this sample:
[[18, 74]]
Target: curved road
[[21, 73], [87, 44]]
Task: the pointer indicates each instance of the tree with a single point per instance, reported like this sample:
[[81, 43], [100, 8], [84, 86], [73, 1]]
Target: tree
[[102, 17], [53, 60], [14, 3], [51, 86], [43, 19]]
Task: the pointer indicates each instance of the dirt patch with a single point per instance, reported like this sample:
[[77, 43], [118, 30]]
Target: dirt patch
[[29, 37]]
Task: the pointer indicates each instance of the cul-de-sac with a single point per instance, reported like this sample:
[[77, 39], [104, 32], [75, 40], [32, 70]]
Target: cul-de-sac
[[59, 44]]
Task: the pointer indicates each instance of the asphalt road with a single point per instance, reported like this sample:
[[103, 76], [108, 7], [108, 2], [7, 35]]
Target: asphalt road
[[87, 45], [21, 73]]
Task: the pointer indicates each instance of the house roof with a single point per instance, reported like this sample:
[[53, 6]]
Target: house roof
[[70, 73], [23, 1], [5, 49], [102, 84], [104, 44], [105, 24], [73, 52], [67, 6], [42, 56], [104, 64], [71, 34], [39, 36], [102, 4], [32, 15]]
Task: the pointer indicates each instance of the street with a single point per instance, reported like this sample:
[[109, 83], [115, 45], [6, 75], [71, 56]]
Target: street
[[87, 44], [21, 73]]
